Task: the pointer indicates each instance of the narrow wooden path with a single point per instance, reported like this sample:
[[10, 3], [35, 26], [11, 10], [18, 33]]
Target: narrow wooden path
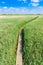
[[19, 50]]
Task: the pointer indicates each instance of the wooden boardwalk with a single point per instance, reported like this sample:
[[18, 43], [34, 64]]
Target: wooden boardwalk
[[19, 51]]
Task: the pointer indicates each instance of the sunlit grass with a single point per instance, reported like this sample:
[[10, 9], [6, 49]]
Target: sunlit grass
[[33, 43], [9, 28]]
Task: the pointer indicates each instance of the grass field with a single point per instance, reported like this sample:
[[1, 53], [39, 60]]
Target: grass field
[[33, 42], [9, 29], [10, 26]]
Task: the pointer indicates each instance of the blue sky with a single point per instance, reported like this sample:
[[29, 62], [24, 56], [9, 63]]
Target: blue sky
[[21, 6]]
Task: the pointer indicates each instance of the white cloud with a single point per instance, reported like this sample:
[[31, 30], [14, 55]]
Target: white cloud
[[11, 10], [34, 4], [35, 0], [22, 10], [38, 10], [5, 7], [3, 2]]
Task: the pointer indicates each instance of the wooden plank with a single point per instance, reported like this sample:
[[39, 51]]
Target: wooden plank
[[19, 51]]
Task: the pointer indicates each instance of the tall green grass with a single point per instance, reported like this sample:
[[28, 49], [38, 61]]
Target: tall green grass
[[9, 29], [33, 43]]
